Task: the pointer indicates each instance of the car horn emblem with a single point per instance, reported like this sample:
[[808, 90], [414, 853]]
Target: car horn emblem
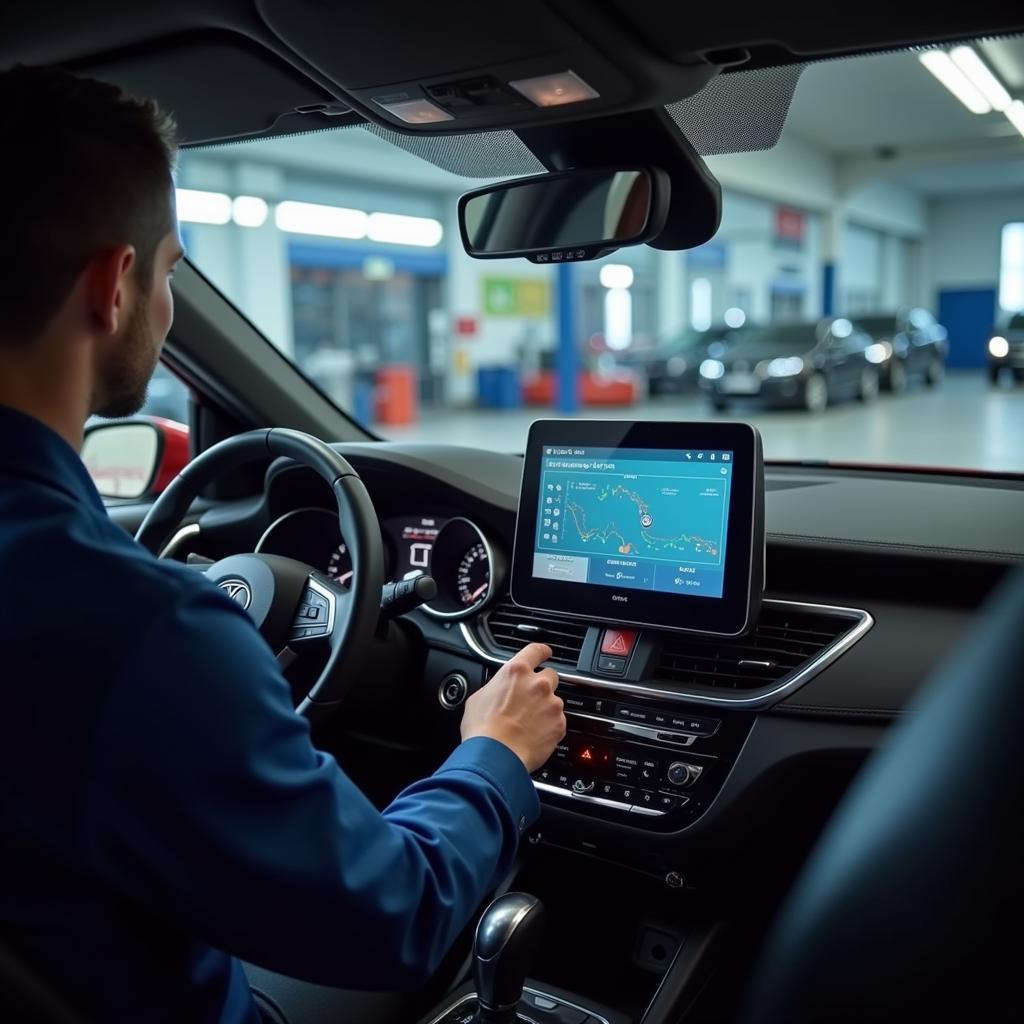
[[238, 591]]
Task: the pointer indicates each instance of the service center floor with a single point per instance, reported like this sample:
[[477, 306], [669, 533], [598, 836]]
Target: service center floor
[[965, 422]]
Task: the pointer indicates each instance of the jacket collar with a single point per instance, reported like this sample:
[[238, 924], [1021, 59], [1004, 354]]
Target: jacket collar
[[31, 450]]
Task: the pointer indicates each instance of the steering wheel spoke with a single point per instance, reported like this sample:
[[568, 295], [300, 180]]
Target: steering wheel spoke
[[322, 614]]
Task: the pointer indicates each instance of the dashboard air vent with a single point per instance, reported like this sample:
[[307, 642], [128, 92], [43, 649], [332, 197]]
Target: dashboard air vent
[[785, 639], [512, 628]]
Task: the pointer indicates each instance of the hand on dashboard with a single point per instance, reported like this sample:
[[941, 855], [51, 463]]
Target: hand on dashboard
[[518, 707]]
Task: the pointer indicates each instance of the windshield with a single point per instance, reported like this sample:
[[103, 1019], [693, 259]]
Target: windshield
[[884, 193]]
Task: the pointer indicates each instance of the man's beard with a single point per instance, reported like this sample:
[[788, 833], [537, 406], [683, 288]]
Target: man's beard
[[124, 379]]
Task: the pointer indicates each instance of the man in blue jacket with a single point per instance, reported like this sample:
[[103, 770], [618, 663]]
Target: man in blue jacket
[[163, 810]]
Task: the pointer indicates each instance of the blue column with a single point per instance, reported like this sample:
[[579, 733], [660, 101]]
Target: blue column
[[567, 398], [828, 289]]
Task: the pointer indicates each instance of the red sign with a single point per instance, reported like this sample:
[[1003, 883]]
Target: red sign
[[466, 326], [789, 224]]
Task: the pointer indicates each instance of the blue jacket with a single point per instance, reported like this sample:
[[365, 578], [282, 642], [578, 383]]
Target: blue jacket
[[162, 809]]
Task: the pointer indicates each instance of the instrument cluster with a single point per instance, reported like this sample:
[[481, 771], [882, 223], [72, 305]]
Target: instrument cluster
[[453, 550]]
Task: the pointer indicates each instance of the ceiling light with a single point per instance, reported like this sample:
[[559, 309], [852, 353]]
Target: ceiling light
[[977, 71], [402, 230], [249, 211], [313, 219], [202, 207], [414, 111], [616, 275], [1015, 113], [939, 63], [555, 90]]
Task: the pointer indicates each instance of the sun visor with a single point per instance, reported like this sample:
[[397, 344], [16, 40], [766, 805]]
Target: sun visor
[[218, 85]]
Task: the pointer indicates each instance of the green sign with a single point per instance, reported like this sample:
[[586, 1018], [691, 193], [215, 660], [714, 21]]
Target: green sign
[[516, 296]]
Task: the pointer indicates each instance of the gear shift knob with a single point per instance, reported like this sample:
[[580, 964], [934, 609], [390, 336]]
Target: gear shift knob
[[506, 940]]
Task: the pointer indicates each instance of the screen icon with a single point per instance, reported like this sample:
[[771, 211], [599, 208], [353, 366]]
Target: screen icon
[[689, 456], [700, 455], [712, 456], [726, 457]]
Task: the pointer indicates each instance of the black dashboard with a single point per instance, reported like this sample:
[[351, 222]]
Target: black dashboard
[[686, 742]]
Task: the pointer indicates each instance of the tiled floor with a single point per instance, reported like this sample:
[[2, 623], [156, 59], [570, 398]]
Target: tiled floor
[[964, 423]]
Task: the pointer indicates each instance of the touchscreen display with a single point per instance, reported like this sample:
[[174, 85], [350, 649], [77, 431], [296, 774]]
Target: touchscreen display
[[634, 518]]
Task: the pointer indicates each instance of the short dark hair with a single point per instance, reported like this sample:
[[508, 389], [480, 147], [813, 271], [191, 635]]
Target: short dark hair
[[85, 167]]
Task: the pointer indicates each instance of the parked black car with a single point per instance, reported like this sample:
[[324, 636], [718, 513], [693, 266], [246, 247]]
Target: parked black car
[[1006, 349], [672, 367], [911, 343], [805, 365]]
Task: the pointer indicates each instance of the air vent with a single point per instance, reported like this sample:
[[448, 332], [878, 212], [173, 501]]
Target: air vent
[[786, 638], [512, 628]]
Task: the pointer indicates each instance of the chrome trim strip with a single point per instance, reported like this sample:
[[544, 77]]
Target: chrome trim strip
[[756, 701], [526, 988], [183, 534], [565, 1002], [646, 732], [546, 787]]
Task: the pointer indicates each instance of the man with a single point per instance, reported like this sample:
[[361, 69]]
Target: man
[[162, 808]]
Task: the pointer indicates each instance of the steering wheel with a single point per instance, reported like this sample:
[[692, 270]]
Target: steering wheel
[[295, 607]]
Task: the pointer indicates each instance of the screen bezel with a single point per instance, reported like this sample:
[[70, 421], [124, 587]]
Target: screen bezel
[[731, 615]]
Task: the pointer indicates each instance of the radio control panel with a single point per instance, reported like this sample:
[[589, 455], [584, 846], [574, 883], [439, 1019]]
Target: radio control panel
[[638, 763]]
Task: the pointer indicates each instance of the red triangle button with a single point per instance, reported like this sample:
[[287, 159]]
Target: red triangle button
[[618, 641]]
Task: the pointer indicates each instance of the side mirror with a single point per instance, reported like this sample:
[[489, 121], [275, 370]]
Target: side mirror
[[135, 458], [565, 216]]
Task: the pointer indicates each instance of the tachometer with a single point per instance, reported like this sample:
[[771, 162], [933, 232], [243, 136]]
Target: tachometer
[[339, 565], [466, 569]]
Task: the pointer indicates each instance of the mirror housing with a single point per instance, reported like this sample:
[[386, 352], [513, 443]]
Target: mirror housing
[[135, 458], [565, 216]]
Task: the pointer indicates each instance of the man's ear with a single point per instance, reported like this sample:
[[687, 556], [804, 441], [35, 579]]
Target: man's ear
[[108, 286]]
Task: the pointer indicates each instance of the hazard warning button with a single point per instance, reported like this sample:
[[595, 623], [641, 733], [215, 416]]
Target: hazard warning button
[[618, 642]]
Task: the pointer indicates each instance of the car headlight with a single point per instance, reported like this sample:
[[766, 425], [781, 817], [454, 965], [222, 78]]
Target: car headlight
[[998, 347], [878, 352], [712, 369], [786, 366]]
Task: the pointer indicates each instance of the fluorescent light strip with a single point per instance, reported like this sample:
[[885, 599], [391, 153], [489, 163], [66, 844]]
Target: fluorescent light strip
[[939, 63], [402, 230], [1015, 114], [249, 211], [196, 207], [314, 219], [979, 75]]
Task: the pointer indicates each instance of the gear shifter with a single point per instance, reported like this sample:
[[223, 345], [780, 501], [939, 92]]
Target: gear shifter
[[506, 940]]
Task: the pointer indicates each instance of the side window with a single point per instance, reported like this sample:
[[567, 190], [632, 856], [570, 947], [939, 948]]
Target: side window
[[167, 397]]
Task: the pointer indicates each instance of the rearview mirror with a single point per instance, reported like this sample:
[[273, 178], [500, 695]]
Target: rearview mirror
[[134, 458], [565, 216]]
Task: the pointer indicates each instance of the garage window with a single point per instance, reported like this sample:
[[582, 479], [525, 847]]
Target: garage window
[[1011, 269]]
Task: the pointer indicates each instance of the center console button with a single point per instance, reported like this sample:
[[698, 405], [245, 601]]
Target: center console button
[[561, 752], [646, 798], [574, 702], [650, 770], [670, 803], [631, 713], [563, 779], [583, 786], [611, 666]]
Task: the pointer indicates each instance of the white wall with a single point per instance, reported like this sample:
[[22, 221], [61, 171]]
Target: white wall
[[964, 240]]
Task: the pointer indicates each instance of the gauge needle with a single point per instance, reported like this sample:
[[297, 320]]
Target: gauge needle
[[345, 577], [479, 590]]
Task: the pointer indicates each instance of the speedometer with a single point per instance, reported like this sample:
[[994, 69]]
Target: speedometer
[[473, 578], [466, 569]]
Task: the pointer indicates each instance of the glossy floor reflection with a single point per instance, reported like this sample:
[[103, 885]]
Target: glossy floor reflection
[[965, 422]]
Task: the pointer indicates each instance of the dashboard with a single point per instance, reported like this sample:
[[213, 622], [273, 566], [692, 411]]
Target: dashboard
[[867, 592]]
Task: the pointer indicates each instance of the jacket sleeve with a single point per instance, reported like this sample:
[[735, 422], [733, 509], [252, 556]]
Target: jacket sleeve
[[205, 800]]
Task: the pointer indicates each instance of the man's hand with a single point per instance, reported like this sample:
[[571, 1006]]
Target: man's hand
[[518, 707]]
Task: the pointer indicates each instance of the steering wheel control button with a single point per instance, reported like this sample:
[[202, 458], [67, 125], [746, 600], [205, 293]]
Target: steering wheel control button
[[453, 691], [618, 642], [611, 666]]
